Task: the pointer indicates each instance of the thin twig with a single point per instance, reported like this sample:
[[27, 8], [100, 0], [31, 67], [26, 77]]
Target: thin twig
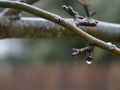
[[85, 6], [9, 11]]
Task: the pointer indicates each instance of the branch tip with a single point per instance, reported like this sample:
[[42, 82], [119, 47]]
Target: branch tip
[[70, 10], [83, 3]]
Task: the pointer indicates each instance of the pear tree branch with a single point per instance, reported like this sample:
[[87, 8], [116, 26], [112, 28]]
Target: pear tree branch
[[33, 27], [59, 20]]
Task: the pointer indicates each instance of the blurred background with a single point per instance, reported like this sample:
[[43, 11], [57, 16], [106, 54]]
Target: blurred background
[[47, 64]]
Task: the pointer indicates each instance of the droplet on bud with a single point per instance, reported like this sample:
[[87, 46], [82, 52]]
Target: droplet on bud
[[88, 62]]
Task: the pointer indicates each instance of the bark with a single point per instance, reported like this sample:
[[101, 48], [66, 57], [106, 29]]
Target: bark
[[41, 28]]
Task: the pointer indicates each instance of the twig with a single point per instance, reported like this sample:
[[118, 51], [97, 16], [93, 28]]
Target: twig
[[88, 49], [81, 20], [76, 52], [15, 12], [85, 6]]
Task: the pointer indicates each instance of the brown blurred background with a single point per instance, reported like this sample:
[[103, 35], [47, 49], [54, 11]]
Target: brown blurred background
[[45, 64], [60, 77]]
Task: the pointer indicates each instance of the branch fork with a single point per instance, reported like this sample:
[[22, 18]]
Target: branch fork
[[81, 20], [84, 21]]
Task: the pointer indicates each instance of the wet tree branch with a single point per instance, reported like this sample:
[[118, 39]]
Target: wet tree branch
[[57, 19], [41, 28]]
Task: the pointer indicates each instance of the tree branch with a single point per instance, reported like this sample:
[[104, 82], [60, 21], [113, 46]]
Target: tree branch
[[57, 19], [10, 11], [41, 28]]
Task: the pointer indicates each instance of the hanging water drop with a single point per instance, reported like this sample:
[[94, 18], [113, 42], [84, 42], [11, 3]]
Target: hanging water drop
[[89, 59], [88, 62]]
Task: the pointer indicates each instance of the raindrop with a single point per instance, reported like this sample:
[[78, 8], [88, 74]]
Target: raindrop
[[89, 62], [89, 59]]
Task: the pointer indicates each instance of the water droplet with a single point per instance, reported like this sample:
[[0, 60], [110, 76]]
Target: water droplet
[[109, 43], [89, 62]]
